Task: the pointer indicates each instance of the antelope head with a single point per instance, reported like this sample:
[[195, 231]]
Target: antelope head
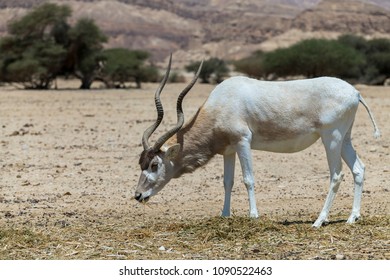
[[157, 161]]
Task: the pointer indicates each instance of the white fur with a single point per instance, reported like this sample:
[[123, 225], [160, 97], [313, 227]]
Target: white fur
[[299, 112], [243, 114]]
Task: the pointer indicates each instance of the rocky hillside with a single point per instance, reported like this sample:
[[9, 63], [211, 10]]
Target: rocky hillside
[[222, 28]]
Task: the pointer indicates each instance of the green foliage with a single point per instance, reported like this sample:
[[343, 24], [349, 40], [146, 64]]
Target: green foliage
[[40, 21], [85, 52], [30, 55], [313, 58], [36, 67], [349, 57], [376, 52], [356, 42], [212, 68], [123, 65], [252, 65], [42, 45], [378, 61]]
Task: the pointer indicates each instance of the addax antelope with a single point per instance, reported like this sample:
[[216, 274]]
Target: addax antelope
[[243, 114]]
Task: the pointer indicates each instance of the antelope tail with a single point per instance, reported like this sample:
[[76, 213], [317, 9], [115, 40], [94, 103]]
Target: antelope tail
[[377, 132]]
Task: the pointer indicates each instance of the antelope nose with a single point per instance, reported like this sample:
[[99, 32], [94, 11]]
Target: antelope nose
[[138, 196]]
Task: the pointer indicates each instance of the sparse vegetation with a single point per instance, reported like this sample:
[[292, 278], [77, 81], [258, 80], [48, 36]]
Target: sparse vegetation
[[123, 65], [208, 238], [252, 65], [42, 46], [30, 55], [350, 57], [314, 58], [213, 70], [85, 55], [376, 66]]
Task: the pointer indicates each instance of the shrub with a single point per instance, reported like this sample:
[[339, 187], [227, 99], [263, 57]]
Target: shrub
[[123, 65], [376, 52], [252, 65], [314, 58], [212, 68]]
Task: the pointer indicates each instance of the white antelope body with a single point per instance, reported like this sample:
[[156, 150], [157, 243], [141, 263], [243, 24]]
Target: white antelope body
[[243, 114]]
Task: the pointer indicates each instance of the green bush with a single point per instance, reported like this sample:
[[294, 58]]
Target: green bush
[[36, 67], [314, 58], [212, 68], [252, 65], [376, 52], [30, 55], [378, 59], [123, 65], [349, 57], [356, 42]]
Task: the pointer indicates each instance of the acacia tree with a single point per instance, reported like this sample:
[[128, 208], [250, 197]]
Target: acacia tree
[[42, 45], [30, 55], [85, 56]]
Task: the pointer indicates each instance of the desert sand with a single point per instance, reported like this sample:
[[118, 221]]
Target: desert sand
[[69, 156]]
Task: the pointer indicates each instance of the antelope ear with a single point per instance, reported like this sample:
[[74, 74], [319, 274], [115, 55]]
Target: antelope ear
[[172, 151]]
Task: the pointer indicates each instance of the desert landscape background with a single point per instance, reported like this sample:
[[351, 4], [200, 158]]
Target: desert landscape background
[[230, 29], [69, 158]]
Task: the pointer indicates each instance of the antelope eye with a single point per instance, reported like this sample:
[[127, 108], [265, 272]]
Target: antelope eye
[[154, 166]]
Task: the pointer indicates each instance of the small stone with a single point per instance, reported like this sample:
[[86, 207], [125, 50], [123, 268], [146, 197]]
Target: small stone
[[162, 248], [340, 257]]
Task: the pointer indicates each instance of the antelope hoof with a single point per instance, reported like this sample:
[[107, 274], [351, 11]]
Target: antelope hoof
[[319, 222], [353, 218], [254, 215]]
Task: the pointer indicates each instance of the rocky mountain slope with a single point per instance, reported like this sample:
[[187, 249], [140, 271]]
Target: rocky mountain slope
[[223, 28]]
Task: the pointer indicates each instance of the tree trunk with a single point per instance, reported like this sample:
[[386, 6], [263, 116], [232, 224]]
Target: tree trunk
[[86, 83]]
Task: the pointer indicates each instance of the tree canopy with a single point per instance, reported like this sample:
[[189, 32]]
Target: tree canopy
[[42, 45], [30, 55], [349, 57], [85, 51]]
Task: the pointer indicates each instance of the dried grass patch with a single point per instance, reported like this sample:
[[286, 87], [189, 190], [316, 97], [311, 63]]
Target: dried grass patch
[[208, 238]]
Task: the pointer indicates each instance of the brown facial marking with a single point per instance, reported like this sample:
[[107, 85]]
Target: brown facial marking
[[146, 157]]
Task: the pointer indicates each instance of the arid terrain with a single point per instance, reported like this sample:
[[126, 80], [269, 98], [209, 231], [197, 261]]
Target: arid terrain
[[69, 168], [228, 29]]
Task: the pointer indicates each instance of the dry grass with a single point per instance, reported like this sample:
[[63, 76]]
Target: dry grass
[[208, 238]]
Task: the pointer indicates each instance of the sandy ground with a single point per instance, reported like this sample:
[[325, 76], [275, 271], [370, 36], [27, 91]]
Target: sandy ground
[[68, 156]]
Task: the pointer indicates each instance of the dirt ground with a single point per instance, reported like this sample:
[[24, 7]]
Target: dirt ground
[[69, 158]]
